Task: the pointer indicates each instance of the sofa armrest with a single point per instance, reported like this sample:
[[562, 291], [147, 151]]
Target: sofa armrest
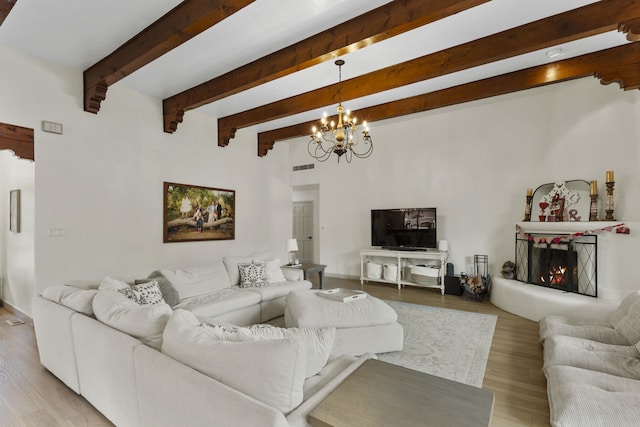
[[292, 274], [171, 394], [52, 324]]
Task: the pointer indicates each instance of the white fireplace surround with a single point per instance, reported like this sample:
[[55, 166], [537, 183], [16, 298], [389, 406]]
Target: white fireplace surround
[[617, 276]]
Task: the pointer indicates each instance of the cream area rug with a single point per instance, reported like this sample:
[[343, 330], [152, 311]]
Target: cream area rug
[[447, 343]]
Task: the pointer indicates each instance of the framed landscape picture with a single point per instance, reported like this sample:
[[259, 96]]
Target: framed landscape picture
[[193, 213], [14, 211]]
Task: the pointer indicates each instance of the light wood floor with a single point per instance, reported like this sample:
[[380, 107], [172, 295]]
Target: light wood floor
[[31, 396]]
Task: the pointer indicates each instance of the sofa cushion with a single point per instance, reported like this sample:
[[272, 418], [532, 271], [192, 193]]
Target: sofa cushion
[[629, 326], [83, 284], [620, 360], [319, 341], [273, 272], [169, 293], [252, 274], [219, 302], [145, 322], [278, 290], [191, 282], [231, 264], [580, 397], [597, 331], [80, 300], [271, 371], [624, 307]]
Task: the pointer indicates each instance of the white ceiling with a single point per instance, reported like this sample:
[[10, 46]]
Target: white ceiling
[[78, 33]]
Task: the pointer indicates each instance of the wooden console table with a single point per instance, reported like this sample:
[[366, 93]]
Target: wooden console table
[[310, 268], [382, 394], [402, 259]]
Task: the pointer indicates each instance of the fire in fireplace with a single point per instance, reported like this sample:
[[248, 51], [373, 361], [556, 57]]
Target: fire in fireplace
[[569, 265]]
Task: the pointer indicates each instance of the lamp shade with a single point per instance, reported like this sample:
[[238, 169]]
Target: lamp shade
[[292, 245]]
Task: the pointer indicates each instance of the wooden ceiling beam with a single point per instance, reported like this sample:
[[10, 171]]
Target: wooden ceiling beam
[[185, 21], [17, 139], [620, 64], [5, 8], [379, 24], [596, 18]]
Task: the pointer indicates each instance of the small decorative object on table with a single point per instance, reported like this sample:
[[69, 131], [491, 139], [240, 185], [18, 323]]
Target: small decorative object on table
[[527, 207], [342, 295], [593, 193], [610, 184], [508, 270]]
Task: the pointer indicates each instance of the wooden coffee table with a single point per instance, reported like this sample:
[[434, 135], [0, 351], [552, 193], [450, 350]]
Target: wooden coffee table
[[382, 394]]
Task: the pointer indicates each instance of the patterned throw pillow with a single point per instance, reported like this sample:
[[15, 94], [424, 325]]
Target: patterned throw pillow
[[252, 275], [144, 293]]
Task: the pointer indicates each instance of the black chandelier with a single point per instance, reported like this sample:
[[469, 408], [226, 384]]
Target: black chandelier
[[343, 138]]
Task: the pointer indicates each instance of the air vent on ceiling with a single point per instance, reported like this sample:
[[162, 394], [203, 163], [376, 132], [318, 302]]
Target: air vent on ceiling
[[303, 167]]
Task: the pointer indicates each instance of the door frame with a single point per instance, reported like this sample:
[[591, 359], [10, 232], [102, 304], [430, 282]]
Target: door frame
[[310, 193]]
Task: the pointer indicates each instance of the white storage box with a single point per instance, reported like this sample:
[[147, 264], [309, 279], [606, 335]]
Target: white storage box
[[425, 275], [373, 270], [390, 272]]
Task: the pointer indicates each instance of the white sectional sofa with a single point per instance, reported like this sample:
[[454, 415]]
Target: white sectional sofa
[[157, 365], [593, 369]]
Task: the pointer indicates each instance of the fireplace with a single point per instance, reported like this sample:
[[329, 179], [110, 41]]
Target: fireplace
[[566, 264]]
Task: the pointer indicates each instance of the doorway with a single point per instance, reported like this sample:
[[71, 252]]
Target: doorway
[[303, 230]]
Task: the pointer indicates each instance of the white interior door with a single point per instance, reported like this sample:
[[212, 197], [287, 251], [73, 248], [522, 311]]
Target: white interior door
[[303, 229]]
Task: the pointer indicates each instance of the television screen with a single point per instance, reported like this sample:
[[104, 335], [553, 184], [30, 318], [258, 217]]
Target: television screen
[[411, 228]]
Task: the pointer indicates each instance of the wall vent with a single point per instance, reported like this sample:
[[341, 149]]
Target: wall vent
[[303, 167]]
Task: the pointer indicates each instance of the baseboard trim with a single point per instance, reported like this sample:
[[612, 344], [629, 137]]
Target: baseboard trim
[[342, 276], [16, 312]]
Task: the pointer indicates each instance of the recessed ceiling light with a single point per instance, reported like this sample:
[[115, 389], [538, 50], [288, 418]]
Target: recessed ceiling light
[[553, 53]]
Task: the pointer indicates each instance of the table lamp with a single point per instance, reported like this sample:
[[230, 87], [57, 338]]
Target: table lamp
[[292, 246]]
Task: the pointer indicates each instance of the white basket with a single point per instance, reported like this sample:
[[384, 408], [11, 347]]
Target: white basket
[[373, 270], [425, 275], [390, 272]]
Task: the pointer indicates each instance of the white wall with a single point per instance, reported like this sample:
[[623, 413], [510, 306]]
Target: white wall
[[17, 249], [474, 162], [102, 180]]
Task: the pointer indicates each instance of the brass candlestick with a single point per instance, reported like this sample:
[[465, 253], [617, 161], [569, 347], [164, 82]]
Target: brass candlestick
[[593, 209], [609, 210], [527, 208]]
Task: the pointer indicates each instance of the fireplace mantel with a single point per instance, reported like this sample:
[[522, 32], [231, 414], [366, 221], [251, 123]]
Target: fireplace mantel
[[564, 227]]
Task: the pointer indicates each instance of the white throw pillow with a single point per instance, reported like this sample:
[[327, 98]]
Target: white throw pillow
[[252, 275], [144, 293], [319, 341], [145, 322], [80, 300], [273, 273], [231, 264], [271, 371]]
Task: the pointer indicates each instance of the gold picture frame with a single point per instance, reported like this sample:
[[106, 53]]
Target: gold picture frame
[[195, 213]]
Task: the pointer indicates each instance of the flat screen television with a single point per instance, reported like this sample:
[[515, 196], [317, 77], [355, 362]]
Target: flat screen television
[[404, 229]]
